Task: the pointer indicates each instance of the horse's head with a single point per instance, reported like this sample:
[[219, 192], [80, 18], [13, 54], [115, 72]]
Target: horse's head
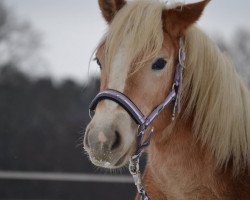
[[137, 57]]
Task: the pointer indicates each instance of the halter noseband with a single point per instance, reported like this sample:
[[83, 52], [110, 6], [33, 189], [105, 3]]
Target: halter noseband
[[142, 121]]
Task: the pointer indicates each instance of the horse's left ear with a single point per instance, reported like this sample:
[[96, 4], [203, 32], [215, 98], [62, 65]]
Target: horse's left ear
[[178, 19], [110, 7]]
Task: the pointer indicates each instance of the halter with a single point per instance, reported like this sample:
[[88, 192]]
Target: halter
[[142, 121]]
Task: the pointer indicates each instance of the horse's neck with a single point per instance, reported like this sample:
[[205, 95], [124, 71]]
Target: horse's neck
[[179, 163], [178, 149]]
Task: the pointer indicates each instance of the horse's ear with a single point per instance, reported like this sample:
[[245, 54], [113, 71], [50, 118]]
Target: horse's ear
[[110, 7], [177, 20]]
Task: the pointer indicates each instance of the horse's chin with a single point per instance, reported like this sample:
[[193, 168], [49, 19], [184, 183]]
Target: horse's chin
[[116, 163]]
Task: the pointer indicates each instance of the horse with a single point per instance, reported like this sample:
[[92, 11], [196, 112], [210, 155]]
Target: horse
[[204, 153]]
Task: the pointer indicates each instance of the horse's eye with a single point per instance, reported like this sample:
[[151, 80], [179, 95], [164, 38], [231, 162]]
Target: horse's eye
[[159, 64], [98, 62]]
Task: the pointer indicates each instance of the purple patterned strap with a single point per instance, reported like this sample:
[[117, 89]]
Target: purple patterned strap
[[160, 108], [122, 100], [130, 107]]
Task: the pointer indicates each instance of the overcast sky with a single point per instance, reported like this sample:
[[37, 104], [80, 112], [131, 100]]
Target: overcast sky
[[72, 28]]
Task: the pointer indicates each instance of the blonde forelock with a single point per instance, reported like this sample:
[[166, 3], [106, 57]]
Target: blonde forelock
[[138, 28]]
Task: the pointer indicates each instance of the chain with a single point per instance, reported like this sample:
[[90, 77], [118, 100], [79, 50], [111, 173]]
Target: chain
[[134, 170], [134, 165]]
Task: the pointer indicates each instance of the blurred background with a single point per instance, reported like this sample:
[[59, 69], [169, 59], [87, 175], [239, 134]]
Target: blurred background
[[47, 79]]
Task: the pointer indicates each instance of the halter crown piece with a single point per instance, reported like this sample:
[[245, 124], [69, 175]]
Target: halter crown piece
[[142, 121]]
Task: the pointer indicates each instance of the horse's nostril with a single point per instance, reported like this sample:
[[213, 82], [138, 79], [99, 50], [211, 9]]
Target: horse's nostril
[[117, 141]]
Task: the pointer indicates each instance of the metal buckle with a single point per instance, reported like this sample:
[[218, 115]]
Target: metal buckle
[[182, 54], [147, 140]]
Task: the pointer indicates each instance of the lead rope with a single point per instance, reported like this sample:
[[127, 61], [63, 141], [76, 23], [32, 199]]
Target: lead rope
[[134, 162]]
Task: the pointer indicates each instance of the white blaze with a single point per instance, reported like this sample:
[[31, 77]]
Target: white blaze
[[118, 74], [118, 71]]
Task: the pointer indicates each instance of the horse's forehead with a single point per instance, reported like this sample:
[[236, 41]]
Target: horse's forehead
[[120, 67]]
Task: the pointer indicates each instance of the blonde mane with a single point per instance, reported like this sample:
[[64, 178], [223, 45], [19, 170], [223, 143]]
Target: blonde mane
[[218, 100], [213, 94]]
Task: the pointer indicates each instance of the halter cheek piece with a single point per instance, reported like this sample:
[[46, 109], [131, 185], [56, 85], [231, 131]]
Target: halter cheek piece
[[142, 121]]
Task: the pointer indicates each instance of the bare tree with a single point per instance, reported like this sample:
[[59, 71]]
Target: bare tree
[[238, 49], [19, 41]]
